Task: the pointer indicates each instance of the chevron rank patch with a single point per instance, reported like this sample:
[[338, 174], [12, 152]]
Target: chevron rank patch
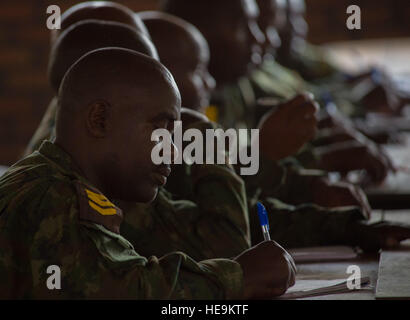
[[95, 207], [100, 203]]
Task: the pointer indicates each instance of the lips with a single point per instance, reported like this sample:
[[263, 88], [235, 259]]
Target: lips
[[161, 174]]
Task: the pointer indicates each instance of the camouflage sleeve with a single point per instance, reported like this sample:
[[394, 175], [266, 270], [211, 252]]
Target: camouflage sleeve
[[45, 130], [118, 271], [304, 225], [96, 263], [209, 220], [286, 180], [300, 225], [314, 63]]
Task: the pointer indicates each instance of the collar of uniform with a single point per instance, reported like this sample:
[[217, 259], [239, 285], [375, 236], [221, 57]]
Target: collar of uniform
[[94, 206], [62, 159]]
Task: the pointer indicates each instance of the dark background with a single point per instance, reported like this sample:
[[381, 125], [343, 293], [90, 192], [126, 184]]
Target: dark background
[[24, 47]]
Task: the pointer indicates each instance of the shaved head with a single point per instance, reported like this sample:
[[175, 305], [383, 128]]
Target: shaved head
[[89, 35], [110, 101], [99, 10], [100, 74], [231, 29], [167, 30], [185, 52]]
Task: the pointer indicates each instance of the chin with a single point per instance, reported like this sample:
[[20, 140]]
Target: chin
[[146, 196]]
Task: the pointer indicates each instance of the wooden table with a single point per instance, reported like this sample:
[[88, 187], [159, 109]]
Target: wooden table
[[369, 265], [394, 193]]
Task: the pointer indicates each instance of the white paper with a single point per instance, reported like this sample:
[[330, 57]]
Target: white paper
[[312, 288]]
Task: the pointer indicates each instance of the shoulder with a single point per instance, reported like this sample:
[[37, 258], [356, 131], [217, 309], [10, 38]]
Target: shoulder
[[30, 193]]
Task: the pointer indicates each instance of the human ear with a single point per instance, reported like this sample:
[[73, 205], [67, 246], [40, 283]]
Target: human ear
[[98, 117]]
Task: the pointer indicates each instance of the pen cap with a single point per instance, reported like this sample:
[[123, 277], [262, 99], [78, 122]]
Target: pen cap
[[263, 216]]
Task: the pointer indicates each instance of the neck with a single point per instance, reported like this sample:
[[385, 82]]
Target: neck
[[83, 163]]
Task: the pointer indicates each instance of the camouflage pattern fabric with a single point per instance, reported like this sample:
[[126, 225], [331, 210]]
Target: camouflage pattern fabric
[[51, 215], [194, 217], [202, 211], [304, 225], [278, 183], [312, 63], [46, 129]]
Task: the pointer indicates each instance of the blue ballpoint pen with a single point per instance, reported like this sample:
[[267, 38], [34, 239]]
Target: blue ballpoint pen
[[263, 219]]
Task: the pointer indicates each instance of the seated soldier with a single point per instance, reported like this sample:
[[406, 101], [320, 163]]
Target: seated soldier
[[55, 207], [205, 218], [236, 94], [295, 226], [176, 39]]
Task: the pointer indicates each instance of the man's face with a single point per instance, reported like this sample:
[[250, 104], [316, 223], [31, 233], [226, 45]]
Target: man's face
[[235, 41], [136, 177], [268, 20], [296, 26], [194, 80]]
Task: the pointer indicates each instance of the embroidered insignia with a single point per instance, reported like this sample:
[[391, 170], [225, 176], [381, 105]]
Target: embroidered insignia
[[95, 207]]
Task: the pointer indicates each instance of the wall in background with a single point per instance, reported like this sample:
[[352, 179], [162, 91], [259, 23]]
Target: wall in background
[[24, 48], [380, 19]]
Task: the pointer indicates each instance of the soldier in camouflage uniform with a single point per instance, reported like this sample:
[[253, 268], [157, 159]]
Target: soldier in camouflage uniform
[[237, 94], [55, 207], [303, 225], [216, 206]]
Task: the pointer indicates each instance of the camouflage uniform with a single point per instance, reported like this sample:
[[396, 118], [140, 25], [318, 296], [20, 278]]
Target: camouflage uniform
[[51, 215], [202, 212], [46, 129], [205, 217], [312, 63], [278, 184], [286, 180]]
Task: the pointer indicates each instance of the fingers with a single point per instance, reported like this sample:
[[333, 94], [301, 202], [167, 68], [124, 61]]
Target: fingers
[[365, 203], [301, 98], [289, 260], [402, 233], [292, 272], [276, 292], [304, 127], [391, 234], [301, 103]]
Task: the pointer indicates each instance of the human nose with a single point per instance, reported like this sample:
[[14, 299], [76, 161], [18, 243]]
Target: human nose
[[209, 82]]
